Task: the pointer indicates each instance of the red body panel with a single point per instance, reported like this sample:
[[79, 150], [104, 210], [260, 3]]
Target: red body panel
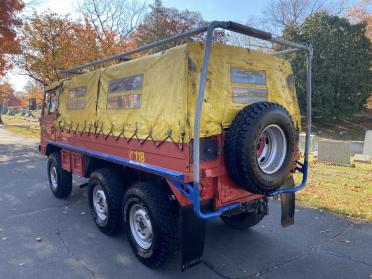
[[215, 183]]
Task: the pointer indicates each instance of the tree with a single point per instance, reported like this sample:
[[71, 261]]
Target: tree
[[341, 65], [32, 90], [120, 17], [50, 42], [162, 22], [8, 96], [8, 22], [291, 14], [360, 13]]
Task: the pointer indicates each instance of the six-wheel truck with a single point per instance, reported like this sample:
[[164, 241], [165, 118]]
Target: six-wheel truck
[[172, 139]]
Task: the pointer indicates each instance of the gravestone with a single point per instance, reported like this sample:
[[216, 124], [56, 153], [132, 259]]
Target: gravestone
[[313, 143], [3, 108], [367, 149], [11, 111], [366, 157], [32, 104], [29, 113], [332, 151], [356, 147]]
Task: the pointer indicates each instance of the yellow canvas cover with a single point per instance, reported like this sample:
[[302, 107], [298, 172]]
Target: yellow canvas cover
[[78, 118], [154, 96]]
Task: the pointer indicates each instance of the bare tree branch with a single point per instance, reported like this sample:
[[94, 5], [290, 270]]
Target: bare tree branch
[[281, 14], [118, 16]]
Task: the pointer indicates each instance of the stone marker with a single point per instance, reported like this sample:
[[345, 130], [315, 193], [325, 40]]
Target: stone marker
[[367, 149], [366, 157], [29, 113], [332, 151], [313, 143], [11, 111], [356, 147], [361, 158]]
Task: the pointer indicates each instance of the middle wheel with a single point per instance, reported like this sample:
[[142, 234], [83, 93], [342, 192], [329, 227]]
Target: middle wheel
[[106, 191]]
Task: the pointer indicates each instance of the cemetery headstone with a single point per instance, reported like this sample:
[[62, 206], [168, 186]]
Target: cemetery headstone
[[332, 151], [11, 111], [366, 157], [313, 143], [356, 147], [367, 149]]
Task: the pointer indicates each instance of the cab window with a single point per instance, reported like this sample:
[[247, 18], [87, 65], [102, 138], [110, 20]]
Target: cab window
[[50, 102]]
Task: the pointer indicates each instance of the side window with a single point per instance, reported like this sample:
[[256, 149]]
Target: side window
[[50, 102], [248, 86], [125, 93], [76, 98], [53, 102], [46, 103]]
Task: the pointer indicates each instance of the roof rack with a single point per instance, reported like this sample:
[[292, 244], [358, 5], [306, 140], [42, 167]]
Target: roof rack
[[227, 25]]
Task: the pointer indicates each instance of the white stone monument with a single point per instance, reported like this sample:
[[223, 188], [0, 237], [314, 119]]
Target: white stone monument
[[366, 157]]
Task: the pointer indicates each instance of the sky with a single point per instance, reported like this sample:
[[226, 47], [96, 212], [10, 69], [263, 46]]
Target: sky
[[237, 10]]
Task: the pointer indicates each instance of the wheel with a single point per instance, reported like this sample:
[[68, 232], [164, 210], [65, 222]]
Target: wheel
[[105, 193], [260, 146], [60, 181], [247, 219], [151, 222]]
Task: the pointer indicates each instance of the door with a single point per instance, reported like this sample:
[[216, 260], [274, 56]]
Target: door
[[48, 117]]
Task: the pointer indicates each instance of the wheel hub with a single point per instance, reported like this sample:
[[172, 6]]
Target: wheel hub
[[53, 177], [140, 225], [100, 203], [271, 149]]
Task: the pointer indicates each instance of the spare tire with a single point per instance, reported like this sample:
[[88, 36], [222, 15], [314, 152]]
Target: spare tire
[[259, 148]]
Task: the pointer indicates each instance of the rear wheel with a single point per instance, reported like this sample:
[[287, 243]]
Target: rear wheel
[[249, 218], [105, 193], [60, 181], [151, 222]]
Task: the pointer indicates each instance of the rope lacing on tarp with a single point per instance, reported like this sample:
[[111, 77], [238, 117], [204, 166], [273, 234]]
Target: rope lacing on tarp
[[98, 130]]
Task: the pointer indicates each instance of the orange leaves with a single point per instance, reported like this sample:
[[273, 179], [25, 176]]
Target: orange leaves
[[51, 42], [360, 13], [7, 95], [8, 20]]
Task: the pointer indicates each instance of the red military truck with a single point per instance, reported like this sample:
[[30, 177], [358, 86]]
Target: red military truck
[[172, 139]]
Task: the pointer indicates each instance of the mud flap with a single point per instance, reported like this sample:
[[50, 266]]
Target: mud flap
[[288, 202], [192, 238]]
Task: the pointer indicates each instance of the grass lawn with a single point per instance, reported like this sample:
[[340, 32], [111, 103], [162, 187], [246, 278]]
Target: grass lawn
[[25, 126], [20, 120], [25, 131], [343, 190]]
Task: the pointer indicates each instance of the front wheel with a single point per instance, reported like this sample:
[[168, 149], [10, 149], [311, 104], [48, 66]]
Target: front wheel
[[60, 181], [151, 222]]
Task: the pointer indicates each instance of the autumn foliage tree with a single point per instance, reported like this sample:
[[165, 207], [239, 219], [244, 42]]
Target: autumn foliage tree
[[32, 90], [361, 13], [8, 22], [8, 96], [50, 42]]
